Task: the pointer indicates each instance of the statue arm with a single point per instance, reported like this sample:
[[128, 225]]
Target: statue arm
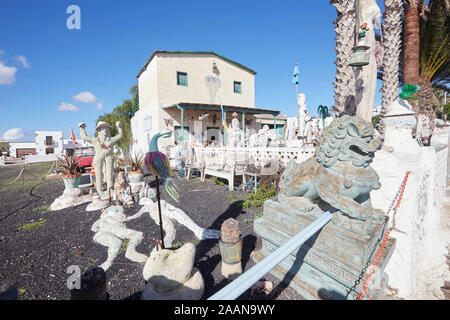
[[118, 136], [84, 135]]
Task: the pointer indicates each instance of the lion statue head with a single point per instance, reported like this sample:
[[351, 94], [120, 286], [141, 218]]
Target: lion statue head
[[347, 139]]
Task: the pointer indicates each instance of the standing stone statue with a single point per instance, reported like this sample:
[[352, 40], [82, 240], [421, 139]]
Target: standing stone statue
[[290, 131], [302, 114], [235, 139], [103, 145], [366, 77]]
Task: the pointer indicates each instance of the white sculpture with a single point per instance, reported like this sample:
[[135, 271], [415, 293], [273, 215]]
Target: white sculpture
[[366, 77], [302, 114], [236, 137], [103, 145], [291, 127], [110, 230]]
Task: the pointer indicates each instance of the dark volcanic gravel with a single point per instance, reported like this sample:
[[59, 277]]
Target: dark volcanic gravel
[[35, 261]]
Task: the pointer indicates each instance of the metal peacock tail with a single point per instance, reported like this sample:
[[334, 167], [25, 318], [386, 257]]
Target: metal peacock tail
[[159, 165]]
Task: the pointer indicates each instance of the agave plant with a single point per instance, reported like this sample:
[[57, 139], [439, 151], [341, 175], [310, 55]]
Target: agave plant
[[68, 167], [136, 162]]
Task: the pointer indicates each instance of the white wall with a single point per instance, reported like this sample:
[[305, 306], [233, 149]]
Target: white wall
[[13, 146], [417, 267]]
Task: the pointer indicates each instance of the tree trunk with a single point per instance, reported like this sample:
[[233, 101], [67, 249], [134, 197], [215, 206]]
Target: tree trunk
[[392, 30], [411, 46], [411, 66]]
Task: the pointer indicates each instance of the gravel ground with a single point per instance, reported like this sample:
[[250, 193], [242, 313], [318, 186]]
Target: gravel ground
[[35, 261]]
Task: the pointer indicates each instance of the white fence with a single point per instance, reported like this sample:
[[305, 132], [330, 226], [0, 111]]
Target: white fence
[[38, 158], [257, 155]]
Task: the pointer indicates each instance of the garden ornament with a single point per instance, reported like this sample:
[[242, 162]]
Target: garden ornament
[[104, 157], [339, 173], [159, 165]]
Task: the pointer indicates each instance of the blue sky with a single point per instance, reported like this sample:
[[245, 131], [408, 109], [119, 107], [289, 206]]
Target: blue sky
[[44, 65]]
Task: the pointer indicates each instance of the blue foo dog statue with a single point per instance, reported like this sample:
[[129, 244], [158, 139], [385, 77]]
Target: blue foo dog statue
[[337, 179]]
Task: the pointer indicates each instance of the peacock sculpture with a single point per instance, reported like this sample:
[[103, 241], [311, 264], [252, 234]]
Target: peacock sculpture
[[159, 165]]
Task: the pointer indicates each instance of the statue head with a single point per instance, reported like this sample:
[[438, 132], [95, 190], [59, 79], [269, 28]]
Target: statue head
[[347, 139], [103, 129]]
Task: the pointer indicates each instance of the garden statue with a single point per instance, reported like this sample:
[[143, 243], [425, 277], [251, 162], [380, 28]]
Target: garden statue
[[122, 189], [366, 77], [338, 174], [110, 231], [302, 114], [336, 181], [263, 137], [290, 131], [236, 133], [103, 145]]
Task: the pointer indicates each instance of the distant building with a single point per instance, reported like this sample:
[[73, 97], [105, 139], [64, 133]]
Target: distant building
[[49, 142], [183, 92], [46, 143], [19, 149]]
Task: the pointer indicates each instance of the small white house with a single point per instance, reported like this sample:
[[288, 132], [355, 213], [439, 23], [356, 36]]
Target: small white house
[[183, 92], [49, 142]]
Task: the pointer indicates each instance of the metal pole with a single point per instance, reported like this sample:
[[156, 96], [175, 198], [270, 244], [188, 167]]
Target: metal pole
[[182, 126], [158, 196], [246, 280], [275, 126], [243, 129]]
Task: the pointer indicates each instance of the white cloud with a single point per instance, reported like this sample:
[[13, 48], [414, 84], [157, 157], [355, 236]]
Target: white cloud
[[99, 105], [7, 74], [14, 134], [85, 97], [23, 61], [67, 107]]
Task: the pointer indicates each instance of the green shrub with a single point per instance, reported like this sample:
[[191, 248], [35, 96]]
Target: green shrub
[[257, 199], [218, 182]]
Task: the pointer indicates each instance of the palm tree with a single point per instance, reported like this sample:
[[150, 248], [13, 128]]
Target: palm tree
[[345, 80], [426, 50], [392, 32], [323, 113]]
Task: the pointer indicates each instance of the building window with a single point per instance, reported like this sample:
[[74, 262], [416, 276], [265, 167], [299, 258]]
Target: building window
[[182, 79], [48, 140], [177, 134], [237, 87]]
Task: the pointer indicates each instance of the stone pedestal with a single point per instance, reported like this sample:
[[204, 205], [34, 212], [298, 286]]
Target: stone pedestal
[[330, 262]]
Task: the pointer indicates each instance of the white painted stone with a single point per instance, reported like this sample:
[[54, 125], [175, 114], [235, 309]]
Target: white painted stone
[[70, 198], [175, 265]]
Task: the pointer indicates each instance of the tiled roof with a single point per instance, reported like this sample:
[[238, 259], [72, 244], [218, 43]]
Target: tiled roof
[[192, 52]]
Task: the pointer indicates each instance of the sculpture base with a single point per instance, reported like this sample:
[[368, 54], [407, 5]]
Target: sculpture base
[[329, 263]]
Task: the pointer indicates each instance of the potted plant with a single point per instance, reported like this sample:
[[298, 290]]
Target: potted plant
[[68, 168], [136, 162]]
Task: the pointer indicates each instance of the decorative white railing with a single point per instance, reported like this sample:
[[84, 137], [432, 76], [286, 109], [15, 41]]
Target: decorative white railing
[[258, 155]]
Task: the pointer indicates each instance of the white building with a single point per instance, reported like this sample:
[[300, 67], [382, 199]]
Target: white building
[[183, 92], [49, 142], [19, 149]]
